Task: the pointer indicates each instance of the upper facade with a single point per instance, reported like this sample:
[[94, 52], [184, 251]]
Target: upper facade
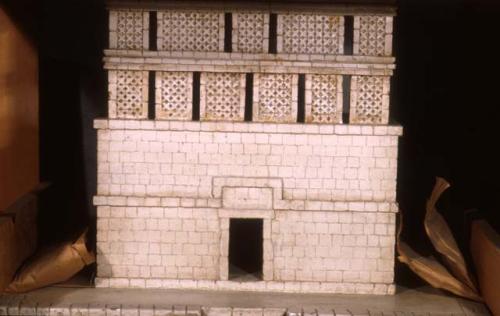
[[260, 62]]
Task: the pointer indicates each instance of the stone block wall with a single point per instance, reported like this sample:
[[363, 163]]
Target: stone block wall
[[311, 166], [168, 189], [225, 141], [158, 243]]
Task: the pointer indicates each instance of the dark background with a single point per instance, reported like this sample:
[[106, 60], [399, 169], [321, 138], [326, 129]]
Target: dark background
[[445, 94]]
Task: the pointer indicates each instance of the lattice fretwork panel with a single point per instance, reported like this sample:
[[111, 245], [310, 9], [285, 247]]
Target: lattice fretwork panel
[[323, 99], [128, 94], [372, 35], [310, 34], [369, 100], [129, 29], [190, 31], [222, 96], [174, 95], [275, 97], [250, 32]]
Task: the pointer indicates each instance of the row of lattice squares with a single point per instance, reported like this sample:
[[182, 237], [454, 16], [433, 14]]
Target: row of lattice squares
[[223, 97], [298, 33]]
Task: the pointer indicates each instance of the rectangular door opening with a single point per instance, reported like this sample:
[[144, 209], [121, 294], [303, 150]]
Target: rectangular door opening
[[245, 249]]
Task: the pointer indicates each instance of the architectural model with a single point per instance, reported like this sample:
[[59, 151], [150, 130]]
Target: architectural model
[[271, 122]]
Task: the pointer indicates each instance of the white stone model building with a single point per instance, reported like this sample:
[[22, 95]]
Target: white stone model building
[[270, 121]]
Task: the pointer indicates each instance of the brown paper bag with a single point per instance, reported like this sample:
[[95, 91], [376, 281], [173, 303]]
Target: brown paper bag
[[53, 266]]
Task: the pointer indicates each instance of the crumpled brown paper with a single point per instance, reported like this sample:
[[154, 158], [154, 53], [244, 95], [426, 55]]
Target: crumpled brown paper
[[441, 237], [458, 281], [18, 236], [53, 266]]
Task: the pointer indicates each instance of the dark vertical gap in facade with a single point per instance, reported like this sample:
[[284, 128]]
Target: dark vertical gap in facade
[[151, 96], [346, 98], [228, 32], [348, 34], [152, 30], [301, 99], [196, 96], [273, 34], [249, 97]]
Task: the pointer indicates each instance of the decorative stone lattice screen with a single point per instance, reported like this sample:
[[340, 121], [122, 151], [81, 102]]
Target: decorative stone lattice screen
[[129, 29], [222, 96], [197, 31], [174, 95], [255, 116], [370, 100], [128, 94], [310, 33], [275, 97], [373, 35], [324, 99], [250, 32]]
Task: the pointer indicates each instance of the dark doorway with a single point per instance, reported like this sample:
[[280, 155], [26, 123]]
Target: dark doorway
[[245, 249]]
